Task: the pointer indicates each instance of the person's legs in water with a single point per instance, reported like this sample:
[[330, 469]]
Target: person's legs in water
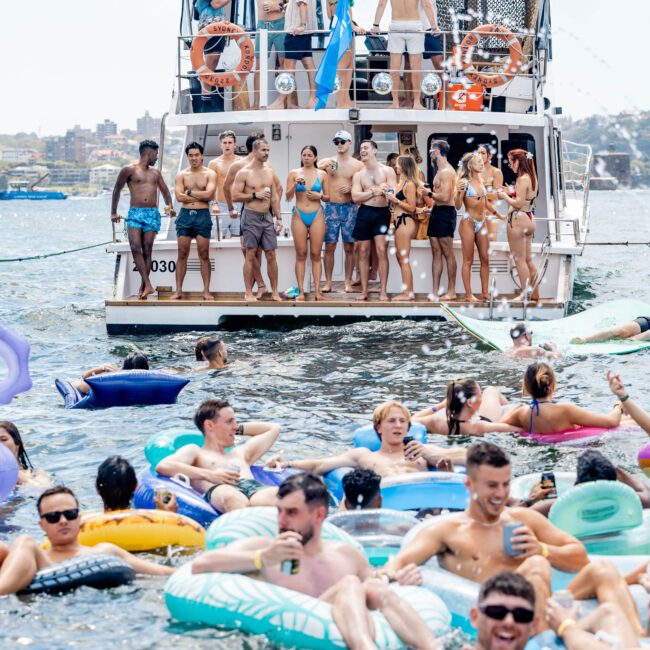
[[625, 331]]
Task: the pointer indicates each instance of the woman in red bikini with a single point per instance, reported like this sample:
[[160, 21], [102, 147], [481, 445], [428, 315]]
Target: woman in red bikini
[[521, 222]]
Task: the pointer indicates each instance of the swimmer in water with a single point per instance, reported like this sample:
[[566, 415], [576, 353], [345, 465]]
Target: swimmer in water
[[636, 330], [10, 437], [523, 348], [213, 350], [135, 361]]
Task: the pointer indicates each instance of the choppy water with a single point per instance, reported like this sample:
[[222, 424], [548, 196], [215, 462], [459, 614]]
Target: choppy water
[[320, 382]]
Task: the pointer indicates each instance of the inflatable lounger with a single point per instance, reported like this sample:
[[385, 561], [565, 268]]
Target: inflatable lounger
[[123, 388], [496, 334]]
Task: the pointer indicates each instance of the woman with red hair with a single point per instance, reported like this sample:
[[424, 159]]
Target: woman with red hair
[[521, 222]]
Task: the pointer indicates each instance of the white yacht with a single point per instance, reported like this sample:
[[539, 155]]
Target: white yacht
[[516, 114]]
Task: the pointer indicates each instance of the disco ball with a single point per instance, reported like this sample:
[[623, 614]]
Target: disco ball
[[337, 83], [285, 83], [431, 84], [382, 84]]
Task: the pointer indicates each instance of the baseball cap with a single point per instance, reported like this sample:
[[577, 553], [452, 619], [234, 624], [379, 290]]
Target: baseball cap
[[344, 135]]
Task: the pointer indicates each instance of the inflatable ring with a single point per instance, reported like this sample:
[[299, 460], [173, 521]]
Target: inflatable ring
[[521, 486], [14, 351], [222, 79], [507, 72], [96, 571], [166, 443], [8, 472]]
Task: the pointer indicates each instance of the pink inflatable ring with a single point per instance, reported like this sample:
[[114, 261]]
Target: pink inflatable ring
[[14, 351]]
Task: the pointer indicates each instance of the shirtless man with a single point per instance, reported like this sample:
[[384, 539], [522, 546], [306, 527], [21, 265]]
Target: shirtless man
[[340, 211], [221, 474], [406, 33], [442, 222], [391, 421], [213, 350], [58, 511], [228, 219], [471, 543], [255, 187], [194, 188], [635, 330], [373, 218], [523, 348], [334, 572], [143, 219], [270, 16]]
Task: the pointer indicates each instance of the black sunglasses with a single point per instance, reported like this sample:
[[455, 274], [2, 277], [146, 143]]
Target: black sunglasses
[[499, 612], [338, 141], [54, 516]]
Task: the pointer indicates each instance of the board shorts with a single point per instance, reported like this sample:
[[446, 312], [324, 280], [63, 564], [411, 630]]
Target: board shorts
[[257, 230], [405, 36], [226, 223], [442, 222], [145, 219], [194, 223], [297, 47], [273, 40], [643, 322], [432, 46], [340, 218], [371, 222], [247, 486]]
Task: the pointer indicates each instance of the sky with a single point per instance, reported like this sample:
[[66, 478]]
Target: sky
[[79, 61]]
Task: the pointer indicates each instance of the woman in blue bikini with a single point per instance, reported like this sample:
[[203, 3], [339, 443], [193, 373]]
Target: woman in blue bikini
[[471, 193], [310, 186]]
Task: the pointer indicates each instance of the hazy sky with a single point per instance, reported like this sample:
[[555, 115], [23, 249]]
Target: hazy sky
[[78, 61]]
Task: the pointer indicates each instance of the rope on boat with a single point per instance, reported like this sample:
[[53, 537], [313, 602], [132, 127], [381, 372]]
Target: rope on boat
[[42, 257]]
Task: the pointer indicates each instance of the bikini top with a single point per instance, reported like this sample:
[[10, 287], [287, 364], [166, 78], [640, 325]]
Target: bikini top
[[472, 193], [534, 409], [400, 196], [316, 187]]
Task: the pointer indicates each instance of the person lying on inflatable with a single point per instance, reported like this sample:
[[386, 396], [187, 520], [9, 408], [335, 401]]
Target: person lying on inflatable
[[471, 543], [523, 348], [58, 511], [223, 475], [331, 571], [391, 421], [10, 437], [134, 361], [637, 330]]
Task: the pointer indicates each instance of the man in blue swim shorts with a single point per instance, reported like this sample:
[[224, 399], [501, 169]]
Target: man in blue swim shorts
[[340, 212], [194, 188], [143, 219]]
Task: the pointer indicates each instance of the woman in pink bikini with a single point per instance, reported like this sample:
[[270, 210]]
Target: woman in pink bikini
[[520, 219]]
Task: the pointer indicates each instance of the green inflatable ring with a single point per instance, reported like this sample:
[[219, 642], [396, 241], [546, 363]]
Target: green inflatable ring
[[165, 443]]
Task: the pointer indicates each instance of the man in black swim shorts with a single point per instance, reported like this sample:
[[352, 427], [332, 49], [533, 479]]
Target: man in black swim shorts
[[637, 330]]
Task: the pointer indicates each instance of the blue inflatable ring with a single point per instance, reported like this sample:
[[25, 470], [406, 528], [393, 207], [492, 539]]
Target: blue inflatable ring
[[8, 472], [14, 351]]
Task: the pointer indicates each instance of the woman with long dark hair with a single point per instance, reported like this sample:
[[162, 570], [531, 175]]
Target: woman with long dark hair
[[10, 437], [492, 179]]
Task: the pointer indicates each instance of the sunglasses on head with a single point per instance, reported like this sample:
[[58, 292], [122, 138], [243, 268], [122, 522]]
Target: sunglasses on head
[[54, 516], [338, 141], [499, 612]]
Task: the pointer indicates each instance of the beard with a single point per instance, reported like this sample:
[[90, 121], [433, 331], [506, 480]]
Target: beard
[[306, 534]]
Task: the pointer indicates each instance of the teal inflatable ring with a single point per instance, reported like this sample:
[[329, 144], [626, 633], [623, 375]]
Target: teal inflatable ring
[[166, 443]]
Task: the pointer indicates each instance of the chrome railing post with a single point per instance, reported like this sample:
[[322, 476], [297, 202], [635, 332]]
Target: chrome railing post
[[264, 68]]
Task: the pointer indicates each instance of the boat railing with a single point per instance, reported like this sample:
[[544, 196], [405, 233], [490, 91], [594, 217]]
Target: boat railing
[[575, 175], [520, 94]]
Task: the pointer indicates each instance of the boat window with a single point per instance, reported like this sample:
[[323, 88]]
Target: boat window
[[460, 144], [516, 141], [242, 13]]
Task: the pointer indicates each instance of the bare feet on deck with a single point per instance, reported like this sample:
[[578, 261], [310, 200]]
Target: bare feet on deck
[[147, 291], [178, 295], [249, 297], [348, 288], [206, 295], [448, 296], [407, 296], [275, 296], [277, 105], [470, 297], [485, 297], [320, 296], [300, 297], [261, 290], [311, 103], [383, 297], [418, 107], [327, 288], [361, 297]]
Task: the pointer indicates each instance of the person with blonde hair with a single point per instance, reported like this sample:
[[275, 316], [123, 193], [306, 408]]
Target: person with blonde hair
[[403, 206], [471, 192], [391, 421]]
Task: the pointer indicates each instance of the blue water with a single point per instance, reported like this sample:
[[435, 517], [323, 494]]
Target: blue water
[[319, 382]]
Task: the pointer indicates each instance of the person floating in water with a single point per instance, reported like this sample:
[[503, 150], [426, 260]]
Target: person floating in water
[[10, 437], [135, 361], [214, 351], [523, 348], [637, 330]]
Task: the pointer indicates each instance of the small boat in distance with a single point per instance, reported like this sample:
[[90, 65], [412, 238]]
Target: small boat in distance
[[24, 191]]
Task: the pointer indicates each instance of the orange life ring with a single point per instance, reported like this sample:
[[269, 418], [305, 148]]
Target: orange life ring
[[222, 79], [507, 72]]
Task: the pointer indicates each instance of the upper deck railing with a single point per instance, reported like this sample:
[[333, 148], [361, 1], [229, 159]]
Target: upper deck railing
[[522, 93], [575, 175]]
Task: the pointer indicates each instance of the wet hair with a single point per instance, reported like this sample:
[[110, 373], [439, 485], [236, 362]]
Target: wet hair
[[372, 143], [136, 361], [208, 346], [381, 413], [311, 148], [147, 144], [414, 153], [311, 485], [593, 466], [194, 145], [486, 453], [50, 492], [442, 146], [410, 170], [116, 483], [391, 156], [526, 165], [539, 380], [12, 430], [259, 142], [464, 170], [518, 330], [361, 487], [250, 140], [209, 410], [458, 393], [227, 134], [508, 583]]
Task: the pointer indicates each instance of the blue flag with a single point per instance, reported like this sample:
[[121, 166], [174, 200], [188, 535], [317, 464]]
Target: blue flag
[[340, 39]]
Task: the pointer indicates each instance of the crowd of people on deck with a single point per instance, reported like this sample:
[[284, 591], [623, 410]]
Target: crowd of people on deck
[[360, 201]]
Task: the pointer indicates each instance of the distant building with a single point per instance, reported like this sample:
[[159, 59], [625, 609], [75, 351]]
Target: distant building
[[18, 155], [54, 149], [104, 176], [30, 173], [100, 155], [147, 126], [70, 148], [69, 175], [613, 164], [106, 128]]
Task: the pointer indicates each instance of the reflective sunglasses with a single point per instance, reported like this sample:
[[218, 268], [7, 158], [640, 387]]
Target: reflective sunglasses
[[499, 612], [54, 516], [338, 141]]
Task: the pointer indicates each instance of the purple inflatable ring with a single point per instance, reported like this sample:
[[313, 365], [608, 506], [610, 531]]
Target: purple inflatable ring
[[14, 351]]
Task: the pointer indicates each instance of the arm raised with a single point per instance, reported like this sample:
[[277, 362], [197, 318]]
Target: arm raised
[[255, 448]]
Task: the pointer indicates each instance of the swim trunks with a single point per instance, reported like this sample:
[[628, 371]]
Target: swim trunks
[[194, 223], [297, 47], [247, 486], [442, 222], [274, 40], [340, 217], [145, 219], [226, 223], [371, 222], [432, 45], [643, 322], [405, 35], [257, 230]]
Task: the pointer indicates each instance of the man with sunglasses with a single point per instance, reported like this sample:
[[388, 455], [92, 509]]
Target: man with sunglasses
[[523, 348], [340, 212], [58, 511]]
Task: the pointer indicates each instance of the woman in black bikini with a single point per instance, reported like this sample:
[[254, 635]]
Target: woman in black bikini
[[403, 204], [521, 222]]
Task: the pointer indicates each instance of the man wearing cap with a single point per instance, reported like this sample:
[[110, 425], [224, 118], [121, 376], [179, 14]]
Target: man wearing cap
[[340, 212], [523, 348]]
